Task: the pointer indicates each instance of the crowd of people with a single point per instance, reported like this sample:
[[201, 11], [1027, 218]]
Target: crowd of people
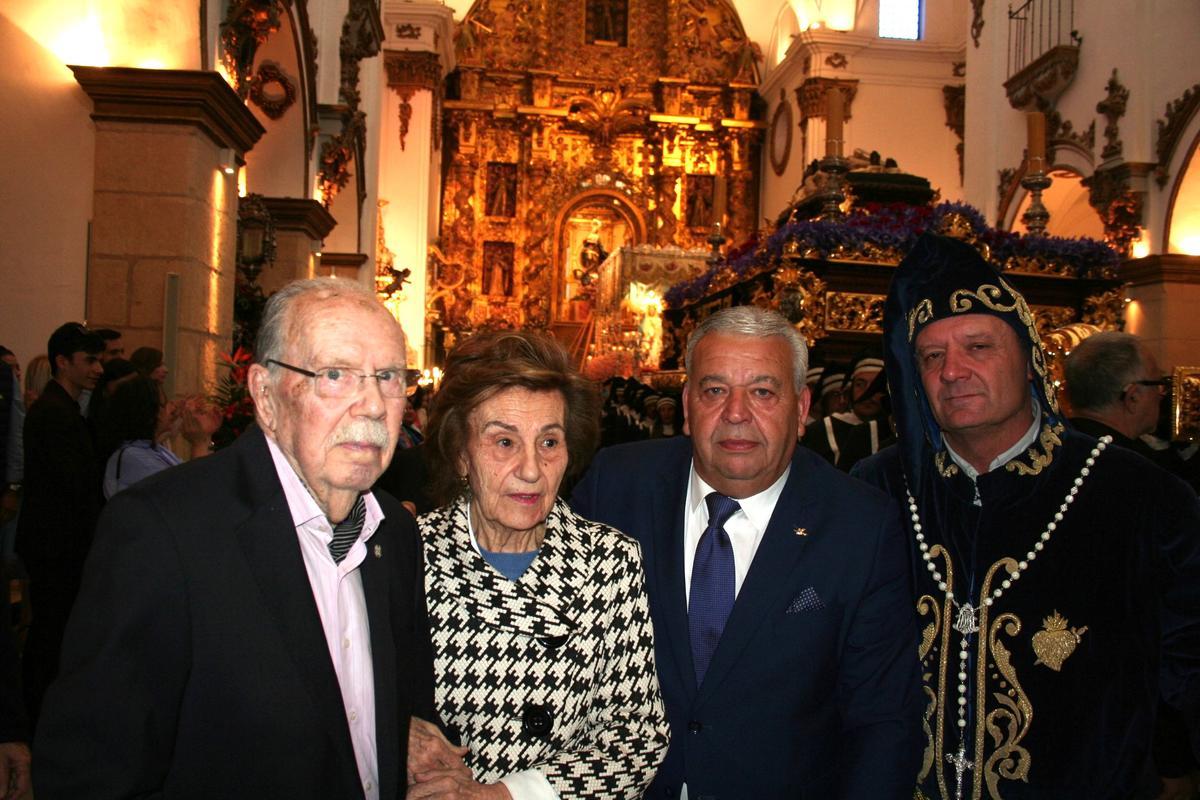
[[918, 576]]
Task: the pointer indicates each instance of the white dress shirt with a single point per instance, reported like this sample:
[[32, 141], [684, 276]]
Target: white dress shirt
[[338, 592], [745, 528]]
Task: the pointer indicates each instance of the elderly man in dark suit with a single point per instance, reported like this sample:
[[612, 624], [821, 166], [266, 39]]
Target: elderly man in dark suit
[[252, 624], [777, 586]]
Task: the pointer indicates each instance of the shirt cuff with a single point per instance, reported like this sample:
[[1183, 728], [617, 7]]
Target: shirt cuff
[[530, 784]]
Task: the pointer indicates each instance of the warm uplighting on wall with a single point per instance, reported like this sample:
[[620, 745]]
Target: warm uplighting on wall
[[148, 34], [835, 15], [1133, 316], [81, 41], [1140, 246]]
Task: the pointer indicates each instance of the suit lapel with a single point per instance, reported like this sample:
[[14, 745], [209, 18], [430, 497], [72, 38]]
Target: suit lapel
[[667, 524], [377, 591], [272, 551], [769, 579]]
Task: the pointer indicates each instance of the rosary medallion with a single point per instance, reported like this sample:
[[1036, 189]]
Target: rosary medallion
[[966, 622]]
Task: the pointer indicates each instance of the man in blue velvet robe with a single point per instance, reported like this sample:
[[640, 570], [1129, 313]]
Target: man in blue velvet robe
[[1057, 578]]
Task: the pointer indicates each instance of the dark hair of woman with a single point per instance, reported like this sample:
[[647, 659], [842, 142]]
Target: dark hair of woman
[[131, 413], [146, 359], [489, 363]]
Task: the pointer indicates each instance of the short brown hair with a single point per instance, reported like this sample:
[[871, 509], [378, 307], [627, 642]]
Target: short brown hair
[[487, 364]]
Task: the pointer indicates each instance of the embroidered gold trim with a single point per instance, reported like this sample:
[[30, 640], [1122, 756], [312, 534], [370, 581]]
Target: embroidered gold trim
[[928, 606], [944, 469], [1009, 723], [1050, 438], [961, 300], [919, 316], [939, 733], [1055, 643]]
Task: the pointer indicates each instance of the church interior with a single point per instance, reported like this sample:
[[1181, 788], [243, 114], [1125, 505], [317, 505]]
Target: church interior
[[608, 170]]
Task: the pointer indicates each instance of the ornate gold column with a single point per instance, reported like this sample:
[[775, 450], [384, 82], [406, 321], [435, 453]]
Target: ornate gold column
[[168, 146]]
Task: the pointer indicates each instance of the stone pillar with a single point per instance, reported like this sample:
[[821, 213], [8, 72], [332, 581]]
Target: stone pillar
[[164, 227], [300, 227], [1165, 290], [418, 52]]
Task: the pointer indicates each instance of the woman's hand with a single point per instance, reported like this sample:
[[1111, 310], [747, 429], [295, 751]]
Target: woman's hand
[[429, 752], [453, 785]]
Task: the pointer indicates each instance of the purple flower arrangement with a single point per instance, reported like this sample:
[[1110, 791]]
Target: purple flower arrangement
[[893, 229]]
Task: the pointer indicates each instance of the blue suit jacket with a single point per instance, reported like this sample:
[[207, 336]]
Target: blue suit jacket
[[814, 690]]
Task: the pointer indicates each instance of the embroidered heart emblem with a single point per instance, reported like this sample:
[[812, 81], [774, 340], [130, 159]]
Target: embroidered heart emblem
[[1055, 643]]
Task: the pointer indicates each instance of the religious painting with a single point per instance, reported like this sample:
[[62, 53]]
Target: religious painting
[[701, 191], [607, 22], [498, 260], [1185, 404], [501, 190]]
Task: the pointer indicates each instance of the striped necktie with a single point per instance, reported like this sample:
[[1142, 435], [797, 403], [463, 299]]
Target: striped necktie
[[713, 583], [346, 532]]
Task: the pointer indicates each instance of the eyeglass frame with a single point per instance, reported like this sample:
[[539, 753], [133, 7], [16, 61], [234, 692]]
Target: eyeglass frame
[[1163, 383], [362, 377]]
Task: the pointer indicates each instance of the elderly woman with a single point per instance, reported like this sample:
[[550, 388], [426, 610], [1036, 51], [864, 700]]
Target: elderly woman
[[544, 657]]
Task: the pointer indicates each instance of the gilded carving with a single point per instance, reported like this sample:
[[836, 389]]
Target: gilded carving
[[1105, 310], [1185, 404], [854, 311], [800, 296], [1178, 114], [976, 20], [560, 100], [247, 25], [810, 96], [1049, 318], [1113, 108], [272, 90]]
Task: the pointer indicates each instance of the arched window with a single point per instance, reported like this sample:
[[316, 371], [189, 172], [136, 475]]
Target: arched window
[[900, 19]]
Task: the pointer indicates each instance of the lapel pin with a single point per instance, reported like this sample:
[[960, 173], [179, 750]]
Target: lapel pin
[[379, 551], [801, 531]]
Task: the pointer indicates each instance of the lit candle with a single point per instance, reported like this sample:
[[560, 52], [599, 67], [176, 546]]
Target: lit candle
[[1036, 126], [720, 199], [835, 110]]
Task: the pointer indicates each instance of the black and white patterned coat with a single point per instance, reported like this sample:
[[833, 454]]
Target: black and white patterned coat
[[554, 671]]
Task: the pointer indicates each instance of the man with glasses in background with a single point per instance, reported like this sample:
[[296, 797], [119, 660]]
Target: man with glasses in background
[[1116, 388], [252, 624]]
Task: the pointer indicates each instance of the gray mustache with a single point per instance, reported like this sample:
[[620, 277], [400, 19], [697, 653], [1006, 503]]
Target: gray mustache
[[372, 432]]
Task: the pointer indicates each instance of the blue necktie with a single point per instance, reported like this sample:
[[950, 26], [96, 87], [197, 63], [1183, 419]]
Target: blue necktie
[[712, 592]]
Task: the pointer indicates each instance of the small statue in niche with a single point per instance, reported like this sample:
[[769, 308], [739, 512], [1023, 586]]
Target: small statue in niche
[[501, 190], [591, 256], [498, 268], [700, 201], [607, 22], [651, 330]]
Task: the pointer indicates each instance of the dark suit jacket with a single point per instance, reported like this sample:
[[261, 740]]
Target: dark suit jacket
[[813, 691], [195, 665], [62, 482]]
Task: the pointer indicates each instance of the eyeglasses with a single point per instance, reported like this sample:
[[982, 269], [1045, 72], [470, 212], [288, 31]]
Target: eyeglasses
[[339, 382], [1162, 383]]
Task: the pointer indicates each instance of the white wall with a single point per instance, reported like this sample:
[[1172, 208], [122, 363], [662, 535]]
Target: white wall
[[47, 180]]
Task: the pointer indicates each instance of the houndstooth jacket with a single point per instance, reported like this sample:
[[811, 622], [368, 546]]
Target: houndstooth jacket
[[554, 671]]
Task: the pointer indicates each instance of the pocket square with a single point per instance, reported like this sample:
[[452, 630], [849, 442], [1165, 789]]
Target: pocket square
[[807, 600]]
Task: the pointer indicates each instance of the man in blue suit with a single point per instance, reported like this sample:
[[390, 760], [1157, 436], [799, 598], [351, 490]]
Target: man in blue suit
[[779, 587]]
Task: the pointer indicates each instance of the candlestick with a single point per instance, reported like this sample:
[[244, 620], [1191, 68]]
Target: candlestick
[[1035, 122], [835, 112]]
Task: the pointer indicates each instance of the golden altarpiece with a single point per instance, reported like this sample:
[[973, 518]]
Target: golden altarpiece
[[577, 126]]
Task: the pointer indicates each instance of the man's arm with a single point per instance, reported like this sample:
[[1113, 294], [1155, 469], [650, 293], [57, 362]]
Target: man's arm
[[879, 685], [107, 727]]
